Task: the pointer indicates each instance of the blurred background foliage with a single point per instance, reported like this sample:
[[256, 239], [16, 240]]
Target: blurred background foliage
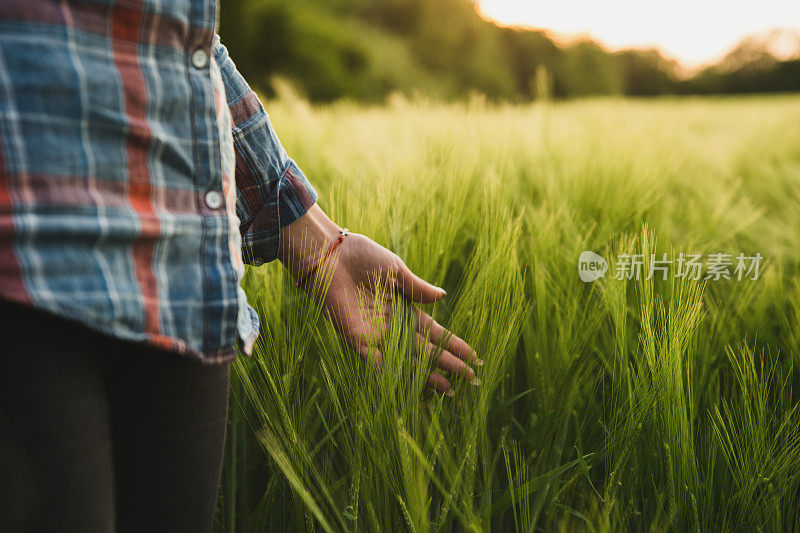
[[366, 49]]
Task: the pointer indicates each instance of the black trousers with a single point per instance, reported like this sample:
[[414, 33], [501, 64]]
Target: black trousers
[[102, 435]]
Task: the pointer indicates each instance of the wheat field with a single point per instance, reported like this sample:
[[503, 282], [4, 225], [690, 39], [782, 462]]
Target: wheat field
[[629, 404]]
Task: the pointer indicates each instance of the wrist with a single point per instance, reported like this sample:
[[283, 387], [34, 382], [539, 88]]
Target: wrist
[[305, 241]]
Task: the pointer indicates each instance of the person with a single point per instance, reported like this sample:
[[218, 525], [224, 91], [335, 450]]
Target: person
[[137, 172]]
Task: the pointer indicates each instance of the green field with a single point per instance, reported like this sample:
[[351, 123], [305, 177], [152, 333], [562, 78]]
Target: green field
[[618, 405]]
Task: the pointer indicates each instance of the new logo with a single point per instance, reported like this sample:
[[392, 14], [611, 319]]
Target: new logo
[[591, 266]]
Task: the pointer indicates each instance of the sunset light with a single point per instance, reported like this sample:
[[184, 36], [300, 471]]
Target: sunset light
[[692, 32]]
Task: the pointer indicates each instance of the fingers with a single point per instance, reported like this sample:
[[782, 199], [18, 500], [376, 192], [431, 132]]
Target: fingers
[[446, 361], [442, 337], [438, 383], [415, 288], [435, 380], [372, 354]]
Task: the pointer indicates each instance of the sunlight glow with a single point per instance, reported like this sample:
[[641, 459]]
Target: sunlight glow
[[692, 31]]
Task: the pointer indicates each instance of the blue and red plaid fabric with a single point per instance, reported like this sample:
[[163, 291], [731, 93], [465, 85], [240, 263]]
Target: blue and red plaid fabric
[[117, 207]]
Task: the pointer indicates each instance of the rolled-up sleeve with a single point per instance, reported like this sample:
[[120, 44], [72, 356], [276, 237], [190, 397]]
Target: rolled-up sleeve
[[272, 191]]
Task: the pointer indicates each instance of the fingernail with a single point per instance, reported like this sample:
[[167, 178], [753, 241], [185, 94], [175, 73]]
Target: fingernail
[[476, 381], [443, 291], [450, 392]]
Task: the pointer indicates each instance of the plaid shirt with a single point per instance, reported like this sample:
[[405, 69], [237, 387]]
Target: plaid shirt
[[129, 190]]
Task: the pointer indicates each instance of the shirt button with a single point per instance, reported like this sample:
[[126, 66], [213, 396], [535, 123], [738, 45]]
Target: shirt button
[[200, 58], [213, 199]]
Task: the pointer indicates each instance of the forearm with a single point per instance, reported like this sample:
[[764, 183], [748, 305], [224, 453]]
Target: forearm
[[305, 241]]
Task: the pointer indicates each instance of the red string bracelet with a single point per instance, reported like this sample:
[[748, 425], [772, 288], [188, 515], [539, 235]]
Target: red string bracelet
[[344, 232]]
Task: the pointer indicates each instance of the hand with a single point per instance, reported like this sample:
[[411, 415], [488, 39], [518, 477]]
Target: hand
[[365, 275]]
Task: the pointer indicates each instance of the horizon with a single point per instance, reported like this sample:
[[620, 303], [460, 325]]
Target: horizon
[[682, 32]]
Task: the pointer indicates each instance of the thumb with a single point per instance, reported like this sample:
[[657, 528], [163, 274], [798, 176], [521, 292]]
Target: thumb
[[415, 288]]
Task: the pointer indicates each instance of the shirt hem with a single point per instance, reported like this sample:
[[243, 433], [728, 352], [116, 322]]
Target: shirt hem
[[165, 343]]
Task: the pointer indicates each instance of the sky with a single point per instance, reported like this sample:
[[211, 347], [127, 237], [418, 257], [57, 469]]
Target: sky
[[692, 31]]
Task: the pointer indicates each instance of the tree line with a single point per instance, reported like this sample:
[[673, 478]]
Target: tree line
[[367, 49]]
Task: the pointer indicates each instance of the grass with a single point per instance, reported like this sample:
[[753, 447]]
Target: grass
[[618, 405]]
